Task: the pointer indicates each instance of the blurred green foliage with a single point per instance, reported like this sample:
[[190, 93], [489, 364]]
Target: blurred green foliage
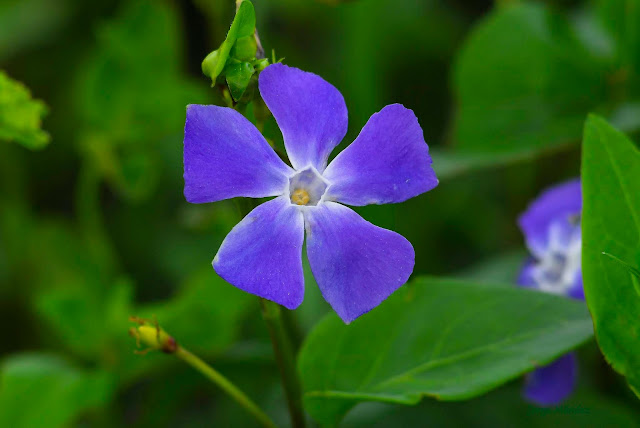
[[94, 227], [20, 116]]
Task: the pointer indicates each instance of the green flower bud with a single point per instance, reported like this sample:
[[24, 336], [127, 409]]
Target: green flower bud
[[245, 48], [211, 66], [261, 64]]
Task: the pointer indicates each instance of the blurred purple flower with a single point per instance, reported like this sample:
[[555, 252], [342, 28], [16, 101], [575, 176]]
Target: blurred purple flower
[[356, 264], [551, 226]]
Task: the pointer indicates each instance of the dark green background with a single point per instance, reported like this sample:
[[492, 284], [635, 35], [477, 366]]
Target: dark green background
[[94, 228]]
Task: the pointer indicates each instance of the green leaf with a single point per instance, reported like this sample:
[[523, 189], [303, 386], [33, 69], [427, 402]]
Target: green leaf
[[41, 390], [524, 81], [442, 338], [243, 25], [21, 115], [611, 223], [238, 78], [633, 271], [501, 269]]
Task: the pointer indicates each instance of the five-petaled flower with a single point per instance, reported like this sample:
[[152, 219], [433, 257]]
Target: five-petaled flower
[[356, 264], [551, 226]]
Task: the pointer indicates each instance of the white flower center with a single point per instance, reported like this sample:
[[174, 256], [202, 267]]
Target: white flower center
[[556, 269], [307, 187]]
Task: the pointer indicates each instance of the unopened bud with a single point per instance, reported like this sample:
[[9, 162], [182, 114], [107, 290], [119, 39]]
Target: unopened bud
[[210, 66], [151, 335]]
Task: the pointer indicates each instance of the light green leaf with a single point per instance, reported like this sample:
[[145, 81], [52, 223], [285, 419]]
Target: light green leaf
[[524, 81], [447, 339], [611, 223], [20, 115], [243, 25], [40, 390]]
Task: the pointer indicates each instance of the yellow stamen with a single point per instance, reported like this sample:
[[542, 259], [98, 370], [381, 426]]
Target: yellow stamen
[[300, 197]]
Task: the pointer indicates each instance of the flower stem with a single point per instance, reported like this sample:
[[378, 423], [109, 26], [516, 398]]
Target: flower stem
[[226, 385], [285, 357]]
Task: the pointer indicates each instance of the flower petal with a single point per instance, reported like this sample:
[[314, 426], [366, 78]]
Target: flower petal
[[262, 254], [557, 205], [225, 156], [577, 291], [525, 278], [388, 162], [551, 384], [310, 112], [355, 263]]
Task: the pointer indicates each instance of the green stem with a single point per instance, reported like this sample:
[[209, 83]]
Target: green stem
[[285, 357], [236, 394]]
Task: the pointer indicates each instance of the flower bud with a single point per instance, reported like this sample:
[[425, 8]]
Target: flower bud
[[153, 336], [245, 48], [210, 66]]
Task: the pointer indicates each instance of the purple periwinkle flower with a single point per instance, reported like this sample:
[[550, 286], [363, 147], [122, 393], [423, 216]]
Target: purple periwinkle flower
[[356, 264], [551, 226]]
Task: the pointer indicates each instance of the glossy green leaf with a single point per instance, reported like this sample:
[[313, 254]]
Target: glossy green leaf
[[611, 224], [40, 390], [524, 81], [442, 338], [20, 115]]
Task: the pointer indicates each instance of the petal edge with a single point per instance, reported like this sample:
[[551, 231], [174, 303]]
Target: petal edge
[[262, 254], [310, 112], [356, 264], [388, 162], [225, 156]]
